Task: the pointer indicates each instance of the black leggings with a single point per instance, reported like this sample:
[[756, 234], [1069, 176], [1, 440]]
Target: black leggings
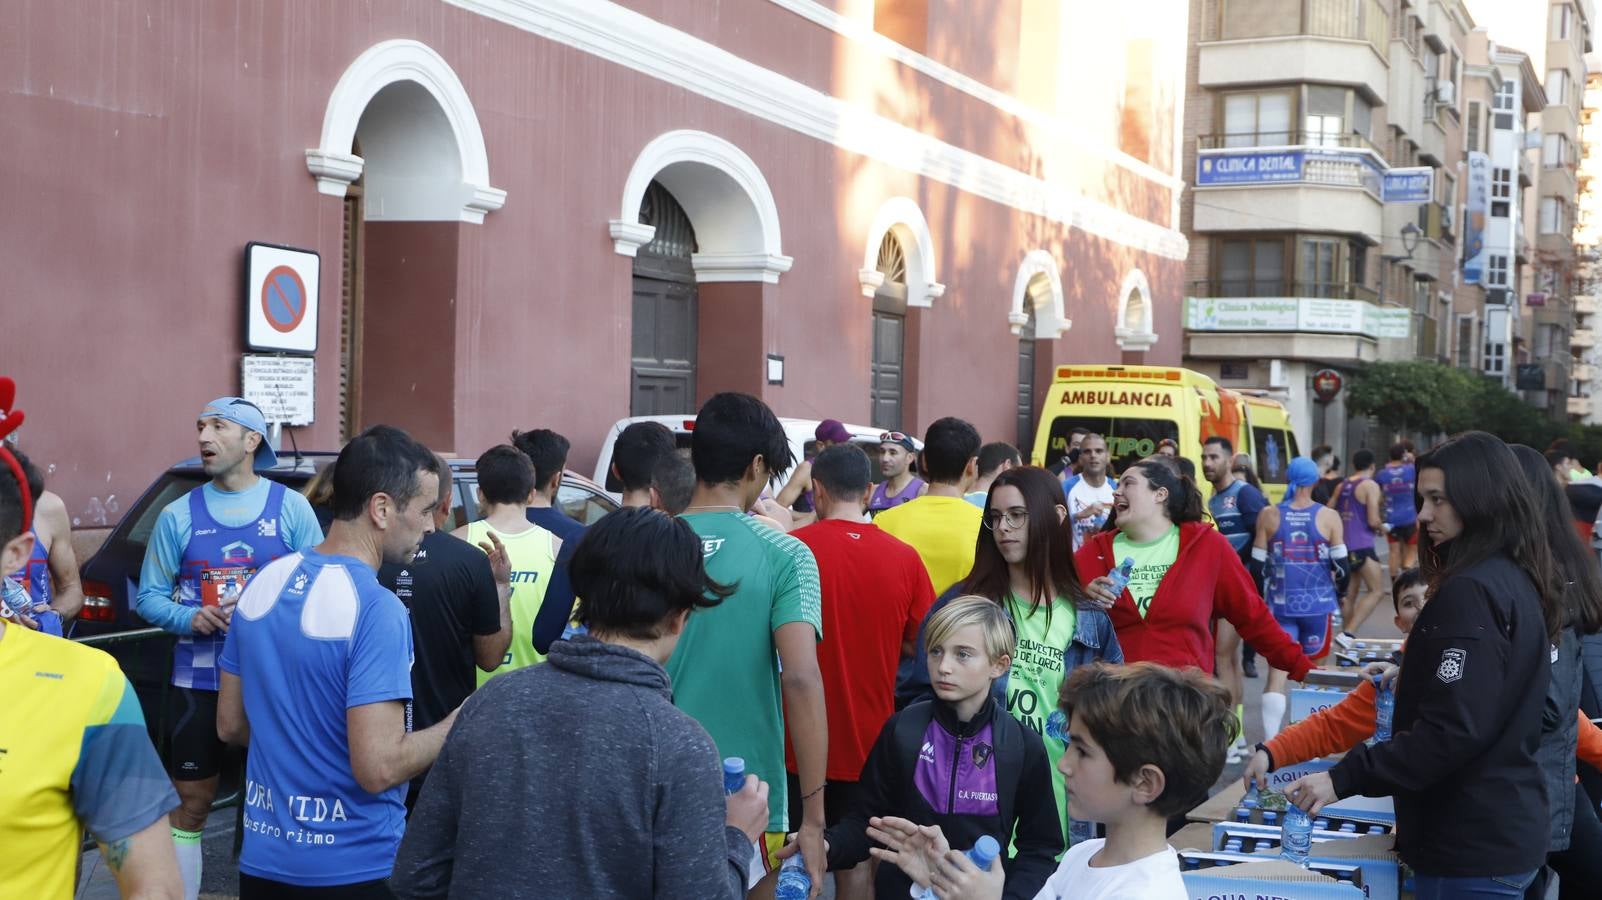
[[253, 888], [1579, 868]]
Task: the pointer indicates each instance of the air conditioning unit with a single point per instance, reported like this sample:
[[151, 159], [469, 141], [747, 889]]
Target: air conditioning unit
[[1446, 94], [1532, 139]]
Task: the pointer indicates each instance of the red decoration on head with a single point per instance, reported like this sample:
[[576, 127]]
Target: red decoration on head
[[11, 420]]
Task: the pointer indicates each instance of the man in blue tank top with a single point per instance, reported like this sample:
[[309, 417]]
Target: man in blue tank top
[[1296, 555], [46, 590], [1396, 481], [1234, 506], [206, 545]]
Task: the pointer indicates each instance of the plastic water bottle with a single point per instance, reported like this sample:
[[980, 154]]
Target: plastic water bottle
[[733, 775], [795, 883], [1296, 837], [1252, 800], [1384, 711], [1120, 576], [982, 854]]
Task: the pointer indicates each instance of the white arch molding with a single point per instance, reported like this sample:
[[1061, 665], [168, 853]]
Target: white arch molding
[[1051, 320], [726, 197], [1133, 330], [902, 216], [381, 65]]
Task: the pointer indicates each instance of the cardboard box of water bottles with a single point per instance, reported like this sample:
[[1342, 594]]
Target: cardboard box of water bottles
[[1233, 874]]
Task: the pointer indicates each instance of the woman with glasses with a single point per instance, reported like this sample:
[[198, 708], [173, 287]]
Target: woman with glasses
[[1185, 574], [1023, 562]]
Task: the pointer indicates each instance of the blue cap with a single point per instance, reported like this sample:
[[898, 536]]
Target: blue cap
[[987, 849], [247, 415], [1301, 472]]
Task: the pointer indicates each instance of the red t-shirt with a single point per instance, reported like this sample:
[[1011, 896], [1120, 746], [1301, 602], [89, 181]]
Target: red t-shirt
[[876, 592]]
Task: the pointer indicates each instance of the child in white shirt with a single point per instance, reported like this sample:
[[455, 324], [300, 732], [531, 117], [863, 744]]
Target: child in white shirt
[[1146, 742]]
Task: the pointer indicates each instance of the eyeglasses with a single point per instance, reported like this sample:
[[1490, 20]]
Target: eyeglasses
[[1014, 519], [892, 437]]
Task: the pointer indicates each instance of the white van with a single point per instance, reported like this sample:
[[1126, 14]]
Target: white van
[[803, 443]]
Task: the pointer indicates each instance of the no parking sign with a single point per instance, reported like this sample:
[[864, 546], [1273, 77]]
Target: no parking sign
[[281, 298]]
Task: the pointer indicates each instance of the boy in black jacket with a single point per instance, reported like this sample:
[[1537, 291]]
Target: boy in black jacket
[[960, 761]]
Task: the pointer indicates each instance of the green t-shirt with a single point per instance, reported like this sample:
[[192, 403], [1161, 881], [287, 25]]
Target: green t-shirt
[[1152, 560], [725, 669], [1036, 678]]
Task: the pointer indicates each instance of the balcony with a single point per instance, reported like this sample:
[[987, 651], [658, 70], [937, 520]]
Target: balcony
[[1348, 308], [1582, 339], [1255, 182], [1267, 41], [1585, 305], [1579, 406], [1582, 372]]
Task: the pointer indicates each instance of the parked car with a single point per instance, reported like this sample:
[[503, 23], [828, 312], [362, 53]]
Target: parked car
[[800, 432]]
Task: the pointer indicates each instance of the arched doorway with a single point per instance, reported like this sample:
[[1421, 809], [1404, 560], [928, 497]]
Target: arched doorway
[[888, 367], [1038, 318], [1026, 383], [665, 326]]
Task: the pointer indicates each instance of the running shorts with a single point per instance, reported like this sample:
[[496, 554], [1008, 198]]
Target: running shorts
[[1311, 633], [1405, 534], [195, 753]]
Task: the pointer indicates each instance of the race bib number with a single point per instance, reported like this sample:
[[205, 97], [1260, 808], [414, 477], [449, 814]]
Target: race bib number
[[222, 587]]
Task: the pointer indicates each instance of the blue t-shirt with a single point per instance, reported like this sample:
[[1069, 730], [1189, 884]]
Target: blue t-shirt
[[556, 522], [314, 636], [1397, 482], [1234, 509]]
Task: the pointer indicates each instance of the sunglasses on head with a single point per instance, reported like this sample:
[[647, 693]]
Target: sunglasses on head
[[893, 436]]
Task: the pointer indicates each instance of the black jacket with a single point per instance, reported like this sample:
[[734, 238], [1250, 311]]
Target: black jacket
[[1471, 799], [986, 776]]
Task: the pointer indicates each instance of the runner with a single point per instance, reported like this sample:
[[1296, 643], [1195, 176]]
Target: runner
[[875, 594], [80, 757], [994, 458], [1296, 545], [896, 452], [797, 493], [205, 547], [1329, 478], [1401, 515], [548, 451], [457, 600], [740, 668], [635, 454], [1361, 505], [940, 525], [1234, 506], [50, 576], [316, 682], [506, 485], [1090, 493]]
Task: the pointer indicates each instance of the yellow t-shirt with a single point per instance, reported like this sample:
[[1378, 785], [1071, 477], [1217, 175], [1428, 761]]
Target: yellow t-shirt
[[74, 756], [533, 557], [943, 531]]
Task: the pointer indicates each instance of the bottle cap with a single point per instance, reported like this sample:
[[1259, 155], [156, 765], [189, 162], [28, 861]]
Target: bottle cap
[[986, 849], [734, 765]]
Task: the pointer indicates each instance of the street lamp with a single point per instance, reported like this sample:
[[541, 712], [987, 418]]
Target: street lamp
[[1410, 236]]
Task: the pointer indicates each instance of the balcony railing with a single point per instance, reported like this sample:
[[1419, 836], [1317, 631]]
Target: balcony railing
[[1582, 338], [1578, 406], [1247, 139], [1232, 20], [1585, 305], [1252, 287]]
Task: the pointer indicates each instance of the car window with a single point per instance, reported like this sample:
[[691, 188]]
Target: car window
[[170, 488], [581, 504], [461, 500], [1271, 454], [1129, 440], [681, 442]]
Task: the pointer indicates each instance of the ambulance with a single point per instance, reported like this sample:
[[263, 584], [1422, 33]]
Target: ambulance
[[1136, 407]]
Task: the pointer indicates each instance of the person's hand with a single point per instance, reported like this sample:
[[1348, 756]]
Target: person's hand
[[911, 848], [1386, 672], [500, 562], [1256, 769], [25, 620], [1312, 792], [1100, 592], [957, 878], [210, 620], [747, 808], [814, 853]]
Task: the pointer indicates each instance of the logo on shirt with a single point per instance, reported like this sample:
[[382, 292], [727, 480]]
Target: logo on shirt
[[710, 546], [927, 753], [202, 532], [1226, 502], [981, 756], [1451, 667], [300, 583], [267, 528], [238, 552], [854, 535]]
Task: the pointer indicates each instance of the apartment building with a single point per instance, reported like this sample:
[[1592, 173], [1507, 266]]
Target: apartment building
[[1324, 151], [1588, 251]]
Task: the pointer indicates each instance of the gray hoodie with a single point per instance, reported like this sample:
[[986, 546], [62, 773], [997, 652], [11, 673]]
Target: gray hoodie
[[576, 778]]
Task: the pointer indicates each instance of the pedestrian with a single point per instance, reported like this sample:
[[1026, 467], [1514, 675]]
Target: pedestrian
[[50, 575], [635, 454], [78, 757], [1185, 574], [319, 492], [1396, 481], [797, 492], [940, 525], [957, 762], [672, 484], [745, 667], [548, 451], [1472, 810], [1575, 849], [457, 597], [896, 454], [1361, 504], [1298, 549], [316, 682], [1090, 493], [506, 488], [204, 549], [1023, 564], [1246, 471], [1147, 744], [1329, 479], [625, 798], [875, 593], [994, 458], [1234, 506], [1168, 447], [1066, 465]]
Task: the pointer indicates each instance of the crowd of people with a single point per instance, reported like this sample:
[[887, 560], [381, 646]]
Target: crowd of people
[[904, 653]]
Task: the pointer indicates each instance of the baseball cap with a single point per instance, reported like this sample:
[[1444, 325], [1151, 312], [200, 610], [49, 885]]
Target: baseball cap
[[247, 415], [1301, 472], [896, 437], [832, 430]]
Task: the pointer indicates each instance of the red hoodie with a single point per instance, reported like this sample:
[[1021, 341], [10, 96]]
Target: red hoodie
[[1206, 581]]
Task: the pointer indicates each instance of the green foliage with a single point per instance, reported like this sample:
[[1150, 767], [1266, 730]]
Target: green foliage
[[1437, 399]]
